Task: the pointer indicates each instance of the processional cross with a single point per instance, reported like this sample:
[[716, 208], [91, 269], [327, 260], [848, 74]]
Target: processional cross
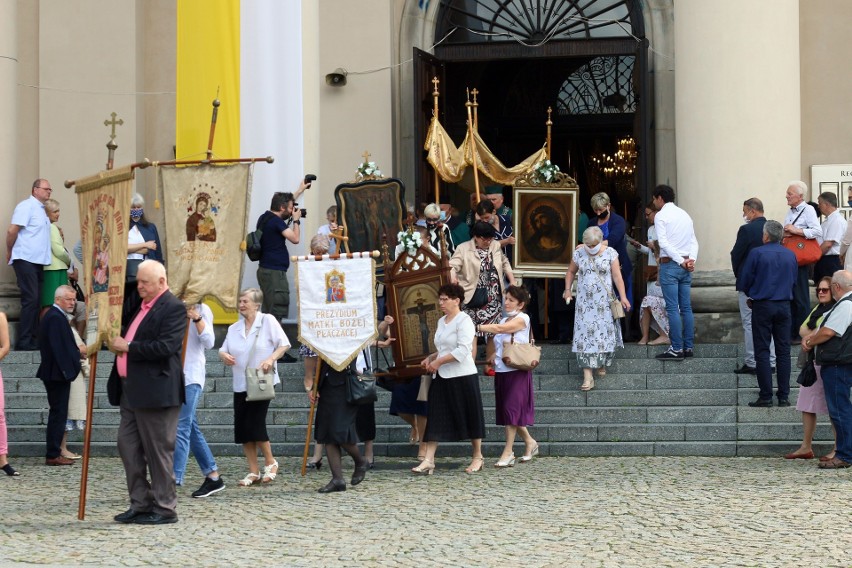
[[113, 123]]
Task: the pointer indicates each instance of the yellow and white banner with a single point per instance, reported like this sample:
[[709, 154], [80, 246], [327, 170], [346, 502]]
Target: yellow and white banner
[[104, 202], [205, 211], [235, 51], [337, 306]]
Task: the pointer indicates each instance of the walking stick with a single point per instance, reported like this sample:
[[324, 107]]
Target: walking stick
[[314, 389]]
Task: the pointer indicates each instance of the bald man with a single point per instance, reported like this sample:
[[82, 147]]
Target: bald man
[[146, 382]]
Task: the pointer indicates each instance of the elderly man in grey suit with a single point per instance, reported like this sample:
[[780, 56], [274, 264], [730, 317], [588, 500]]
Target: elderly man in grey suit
[[147, 384]]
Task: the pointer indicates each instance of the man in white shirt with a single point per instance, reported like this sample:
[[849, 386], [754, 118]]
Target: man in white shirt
[[28, 251], [833, 229], [801, 220], [189, 437], [678, 252]]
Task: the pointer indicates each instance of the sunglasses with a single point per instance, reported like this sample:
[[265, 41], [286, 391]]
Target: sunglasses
[[821, 290]]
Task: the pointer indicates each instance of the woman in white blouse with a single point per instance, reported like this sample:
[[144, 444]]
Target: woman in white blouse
[[262, 331], [455, 403]]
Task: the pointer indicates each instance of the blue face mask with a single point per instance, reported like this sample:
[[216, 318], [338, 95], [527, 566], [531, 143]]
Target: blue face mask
[[136, 213], [443, 216]]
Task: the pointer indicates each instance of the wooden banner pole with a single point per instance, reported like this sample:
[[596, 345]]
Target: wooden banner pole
[[314, 390], [87, 437], [216, 104], [435, 93]]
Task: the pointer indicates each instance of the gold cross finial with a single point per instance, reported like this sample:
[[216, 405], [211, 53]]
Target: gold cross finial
[[549, 111], [113, 123], [474, 92], [366, 155], [435, 82]]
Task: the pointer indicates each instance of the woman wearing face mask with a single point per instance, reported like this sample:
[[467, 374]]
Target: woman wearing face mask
[[614, 229], [434, 227], [596, 333], [143, 242]]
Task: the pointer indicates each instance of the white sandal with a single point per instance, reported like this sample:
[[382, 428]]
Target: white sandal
[[268, 474], [249, 479]]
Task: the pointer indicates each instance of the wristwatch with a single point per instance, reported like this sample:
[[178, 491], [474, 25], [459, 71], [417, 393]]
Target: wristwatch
[[196, 320], [297, 222]]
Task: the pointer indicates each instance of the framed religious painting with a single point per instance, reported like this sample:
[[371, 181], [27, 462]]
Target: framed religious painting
[[369, 211], [845, 197], [412, 284], [545, 226]]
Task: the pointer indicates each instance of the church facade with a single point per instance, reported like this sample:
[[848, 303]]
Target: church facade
[[723, 100]]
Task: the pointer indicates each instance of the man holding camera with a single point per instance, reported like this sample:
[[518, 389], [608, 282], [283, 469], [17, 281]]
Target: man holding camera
[[282, 223]]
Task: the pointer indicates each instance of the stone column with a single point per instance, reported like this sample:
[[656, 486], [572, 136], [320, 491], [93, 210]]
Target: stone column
[[737, 111], [8, 117]]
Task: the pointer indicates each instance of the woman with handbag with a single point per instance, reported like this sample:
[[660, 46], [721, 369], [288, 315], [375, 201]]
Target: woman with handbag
[[455, 403], [597, 332], [251, 347], [811, 399], [513, 386], [480, 267]]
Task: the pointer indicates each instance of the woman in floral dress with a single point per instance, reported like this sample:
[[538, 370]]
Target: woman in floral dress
[[481, 264], [596, 333]]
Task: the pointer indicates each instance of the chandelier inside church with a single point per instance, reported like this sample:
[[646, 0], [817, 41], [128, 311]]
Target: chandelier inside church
[[615, 171]]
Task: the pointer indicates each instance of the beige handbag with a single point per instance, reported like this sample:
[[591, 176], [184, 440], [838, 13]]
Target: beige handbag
[[614, 303], [521, 356], [425, 383]]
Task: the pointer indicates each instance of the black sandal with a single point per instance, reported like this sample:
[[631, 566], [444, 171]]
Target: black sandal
[[10, 471]]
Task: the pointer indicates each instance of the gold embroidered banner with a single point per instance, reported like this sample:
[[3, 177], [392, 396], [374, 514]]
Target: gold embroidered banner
[[337, 306], [451, 161], [104, 202], [205, 212]]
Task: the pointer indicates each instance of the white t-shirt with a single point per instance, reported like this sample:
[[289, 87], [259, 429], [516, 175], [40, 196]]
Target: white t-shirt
[[522, 336]]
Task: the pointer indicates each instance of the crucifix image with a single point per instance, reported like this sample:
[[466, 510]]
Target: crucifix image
[[420, 312]]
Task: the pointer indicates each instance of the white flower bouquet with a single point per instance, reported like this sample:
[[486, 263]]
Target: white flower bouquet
[[367, 169], [545, 171]]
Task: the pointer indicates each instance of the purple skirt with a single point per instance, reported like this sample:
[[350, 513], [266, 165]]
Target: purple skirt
[[514, 396]]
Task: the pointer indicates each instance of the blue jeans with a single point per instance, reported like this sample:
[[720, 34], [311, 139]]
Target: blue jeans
[[676, 282], [837, 381], [189, 437]]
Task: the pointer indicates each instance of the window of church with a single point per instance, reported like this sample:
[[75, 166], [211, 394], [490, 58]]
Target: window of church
[[604, 85], [536, 21]]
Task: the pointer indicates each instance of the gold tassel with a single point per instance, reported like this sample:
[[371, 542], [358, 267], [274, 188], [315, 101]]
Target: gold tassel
[[156, 203]]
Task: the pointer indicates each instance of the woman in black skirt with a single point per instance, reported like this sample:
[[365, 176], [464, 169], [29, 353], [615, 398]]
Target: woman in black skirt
[[335, 424], [455, 403]]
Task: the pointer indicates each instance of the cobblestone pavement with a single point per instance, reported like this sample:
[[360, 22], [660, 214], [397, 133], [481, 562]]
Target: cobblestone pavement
[[644, 511]]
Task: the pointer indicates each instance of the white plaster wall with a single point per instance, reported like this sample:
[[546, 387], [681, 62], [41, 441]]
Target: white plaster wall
[[737, 108], [826, 83], [355, 36], [86, 70]]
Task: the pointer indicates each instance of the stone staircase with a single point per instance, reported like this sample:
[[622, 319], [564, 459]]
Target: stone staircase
[[642, 407]]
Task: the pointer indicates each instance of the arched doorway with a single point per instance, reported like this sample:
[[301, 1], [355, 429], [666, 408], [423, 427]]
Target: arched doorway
[[585, 59]]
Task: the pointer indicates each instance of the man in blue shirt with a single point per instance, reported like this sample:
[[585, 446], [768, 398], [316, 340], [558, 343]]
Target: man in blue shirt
[[28, 251], [749, 236], [768, 277]]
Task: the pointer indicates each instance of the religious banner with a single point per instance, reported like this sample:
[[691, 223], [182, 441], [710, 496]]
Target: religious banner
[[337, 306], [104, 203], [205, 211]]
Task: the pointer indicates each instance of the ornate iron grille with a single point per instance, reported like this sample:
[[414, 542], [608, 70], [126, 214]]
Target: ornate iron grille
[[604, 85]]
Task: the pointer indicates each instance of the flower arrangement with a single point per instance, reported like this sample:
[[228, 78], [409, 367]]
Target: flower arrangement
[[367, 170], [545, 171], [410, 240]]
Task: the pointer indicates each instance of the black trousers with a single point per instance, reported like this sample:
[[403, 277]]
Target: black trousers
[[800, 306], [57, 398], [30, 280], [827, 265], [770, 319]]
